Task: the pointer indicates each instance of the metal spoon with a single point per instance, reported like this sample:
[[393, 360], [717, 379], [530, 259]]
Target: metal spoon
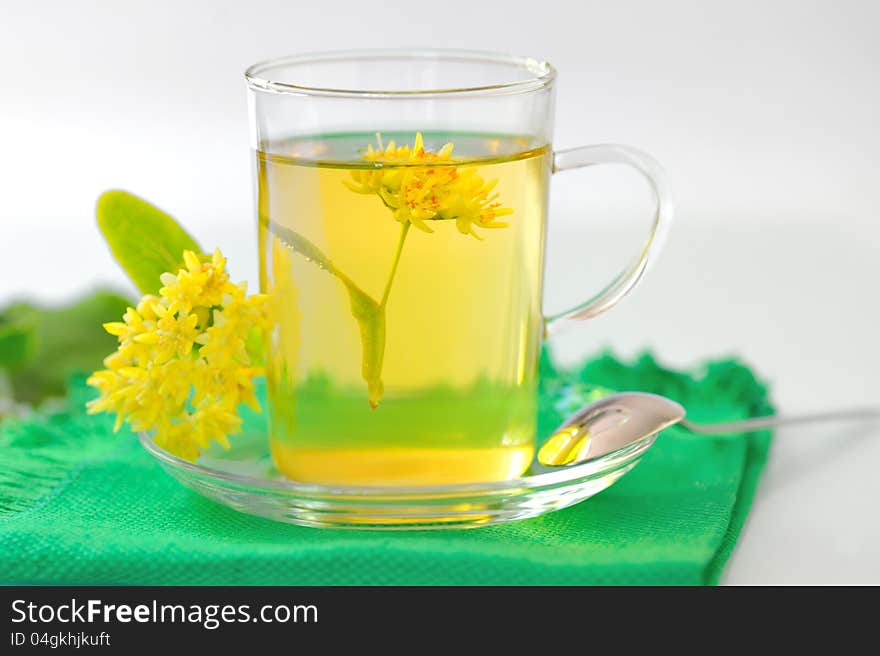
[[615, 421]]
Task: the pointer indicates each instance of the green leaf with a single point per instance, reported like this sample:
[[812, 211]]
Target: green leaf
[[144, 240], [369, 314], [65, 341], [16, 341], [370, 317], [299, 244]]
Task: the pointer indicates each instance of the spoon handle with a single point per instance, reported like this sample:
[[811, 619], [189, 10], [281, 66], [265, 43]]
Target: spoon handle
[[757, 423]]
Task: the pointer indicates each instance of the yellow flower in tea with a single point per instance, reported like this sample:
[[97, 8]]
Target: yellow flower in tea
[[418, 185], [182, 367]]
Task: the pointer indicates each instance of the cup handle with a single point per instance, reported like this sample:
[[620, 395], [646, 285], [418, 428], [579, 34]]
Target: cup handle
[[627, 279]]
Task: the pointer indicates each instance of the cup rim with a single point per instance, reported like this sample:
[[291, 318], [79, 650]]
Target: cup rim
[[541, 73]]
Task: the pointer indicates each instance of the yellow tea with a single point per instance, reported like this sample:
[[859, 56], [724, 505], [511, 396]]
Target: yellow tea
[[404, 273]]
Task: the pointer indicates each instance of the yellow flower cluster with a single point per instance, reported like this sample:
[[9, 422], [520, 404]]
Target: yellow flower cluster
[[182, 367], [418, 185]]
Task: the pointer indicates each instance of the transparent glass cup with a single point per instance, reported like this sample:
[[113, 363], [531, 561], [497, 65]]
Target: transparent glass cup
[[402, 203]]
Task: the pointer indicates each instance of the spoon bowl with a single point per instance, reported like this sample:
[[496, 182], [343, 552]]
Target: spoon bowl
[[608, 425]]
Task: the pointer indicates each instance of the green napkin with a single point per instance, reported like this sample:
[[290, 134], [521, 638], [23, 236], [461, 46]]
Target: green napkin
[[79, 505]]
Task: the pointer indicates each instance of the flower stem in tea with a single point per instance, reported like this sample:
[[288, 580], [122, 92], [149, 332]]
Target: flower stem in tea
[[404, 229]]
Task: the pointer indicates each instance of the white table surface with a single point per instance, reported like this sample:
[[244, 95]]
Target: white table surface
[[800, 305]]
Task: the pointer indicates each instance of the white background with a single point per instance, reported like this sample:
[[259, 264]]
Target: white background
[[763, 113]]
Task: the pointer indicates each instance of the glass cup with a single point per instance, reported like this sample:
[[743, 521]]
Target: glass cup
[[402, 201]]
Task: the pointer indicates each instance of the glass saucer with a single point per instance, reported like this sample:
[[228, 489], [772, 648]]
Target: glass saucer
[[245, 479]]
